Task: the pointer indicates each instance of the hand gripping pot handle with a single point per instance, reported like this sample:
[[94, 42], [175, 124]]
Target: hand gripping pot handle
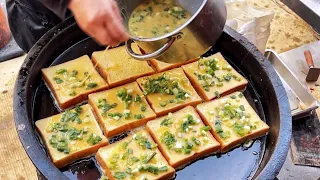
[[152, 55]]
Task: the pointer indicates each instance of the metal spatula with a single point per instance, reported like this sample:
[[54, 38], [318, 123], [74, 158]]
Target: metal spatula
[[313, 73]]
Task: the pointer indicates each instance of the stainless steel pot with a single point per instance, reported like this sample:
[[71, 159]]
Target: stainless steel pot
[[189, 41]]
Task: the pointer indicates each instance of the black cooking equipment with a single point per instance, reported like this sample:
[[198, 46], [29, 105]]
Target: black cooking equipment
[[265, 92]]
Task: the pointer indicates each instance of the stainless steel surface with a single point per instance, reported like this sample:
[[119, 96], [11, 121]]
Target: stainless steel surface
[[199, 33], [309, 10], [152, 55], [296, 62], [301, 101]]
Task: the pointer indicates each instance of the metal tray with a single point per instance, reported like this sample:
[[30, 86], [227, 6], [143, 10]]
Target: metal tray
[[302, 103]]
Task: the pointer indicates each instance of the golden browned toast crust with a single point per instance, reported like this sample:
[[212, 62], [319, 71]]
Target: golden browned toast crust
[[157, 66]]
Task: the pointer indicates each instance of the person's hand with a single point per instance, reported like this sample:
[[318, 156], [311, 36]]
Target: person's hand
[[100, 19]]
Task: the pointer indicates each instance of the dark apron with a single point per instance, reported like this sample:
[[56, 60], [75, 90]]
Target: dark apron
[[29, 20]]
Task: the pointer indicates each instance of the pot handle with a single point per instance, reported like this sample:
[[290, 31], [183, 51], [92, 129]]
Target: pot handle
[[153, 55]]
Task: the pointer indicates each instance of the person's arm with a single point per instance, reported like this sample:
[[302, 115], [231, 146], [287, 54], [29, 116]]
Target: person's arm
[[98, 18]]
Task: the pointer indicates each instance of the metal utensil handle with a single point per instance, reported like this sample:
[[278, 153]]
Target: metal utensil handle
[[153, 55], [309, 59]]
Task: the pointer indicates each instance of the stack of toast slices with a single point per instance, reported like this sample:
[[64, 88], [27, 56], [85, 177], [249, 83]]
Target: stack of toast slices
[[174, 113]]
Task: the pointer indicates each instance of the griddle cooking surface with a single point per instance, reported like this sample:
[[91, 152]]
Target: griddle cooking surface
[[240, 163]]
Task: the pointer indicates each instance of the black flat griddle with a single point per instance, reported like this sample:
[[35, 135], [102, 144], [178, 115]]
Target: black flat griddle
[[263, 160]]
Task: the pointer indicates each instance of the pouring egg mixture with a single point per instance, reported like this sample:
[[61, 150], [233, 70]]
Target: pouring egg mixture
[[154, 18]]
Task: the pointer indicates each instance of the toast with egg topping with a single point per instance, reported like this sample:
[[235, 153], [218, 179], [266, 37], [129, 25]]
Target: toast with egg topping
[[182, 137], [121, 109], [213, 77], [71, 135], [134, 157], [232, 120], [169, 91], [118, 67], [72, 81]]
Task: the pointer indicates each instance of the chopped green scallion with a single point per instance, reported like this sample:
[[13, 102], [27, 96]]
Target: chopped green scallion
[[217, 94], [58, 80], [149, 158], [139, 116], [143, 108], [61, 71], [205, 128], [91, 85], [93, 139], [74, 73]]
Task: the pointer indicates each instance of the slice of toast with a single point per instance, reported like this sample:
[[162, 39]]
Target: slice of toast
[[162, 66], [135, 157], [71, 135], [118, 67], [72, 81], [232, 120], [121, 109], [214, 77], [169, 91], [182, 137]]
